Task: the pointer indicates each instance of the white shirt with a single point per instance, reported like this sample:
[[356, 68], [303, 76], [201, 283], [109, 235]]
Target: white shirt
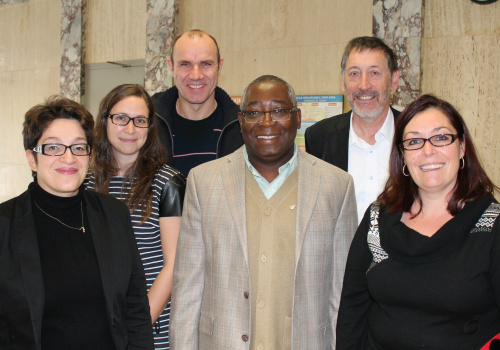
[[369, 164]]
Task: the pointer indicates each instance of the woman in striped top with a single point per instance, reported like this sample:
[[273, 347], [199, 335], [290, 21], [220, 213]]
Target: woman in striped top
[[129, 163]]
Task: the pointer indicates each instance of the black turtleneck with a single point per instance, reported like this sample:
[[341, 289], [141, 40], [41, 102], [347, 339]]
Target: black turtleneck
[[75, 314]]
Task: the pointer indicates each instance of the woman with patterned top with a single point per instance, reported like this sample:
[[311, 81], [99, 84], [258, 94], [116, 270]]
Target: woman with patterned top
[[423, 270], [129, 163]]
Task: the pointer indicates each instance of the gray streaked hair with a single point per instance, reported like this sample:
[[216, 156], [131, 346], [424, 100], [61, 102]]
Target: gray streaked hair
[[270, 79]]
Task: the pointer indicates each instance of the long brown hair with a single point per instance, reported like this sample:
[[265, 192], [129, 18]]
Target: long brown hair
[[401, 191], [151, 157]]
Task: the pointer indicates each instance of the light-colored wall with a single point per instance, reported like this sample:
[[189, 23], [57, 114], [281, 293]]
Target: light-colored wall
[[461, 64], [116, 30], [29, 72], [300, 41]]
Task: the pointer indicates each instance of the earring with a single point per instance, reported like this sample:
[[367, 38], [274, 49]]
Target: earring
[[463, 163], [404, 166]]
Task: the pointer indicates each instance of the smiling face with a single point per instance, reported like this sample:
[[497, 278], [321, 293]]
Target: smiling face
[[127, 140], [367, 83], [195, 68], [60, 175], [269, 142], [433, 169]]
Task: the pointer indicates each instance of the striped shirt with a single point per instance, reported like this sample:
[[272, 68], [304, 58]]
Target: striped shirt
[[147, 234]]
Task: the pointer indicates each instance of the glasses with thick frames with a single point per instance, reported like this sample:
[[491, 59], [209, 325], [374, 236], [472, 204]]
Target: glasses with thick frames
[[277, 115], [58, 149], [440, 140], [123, 120]]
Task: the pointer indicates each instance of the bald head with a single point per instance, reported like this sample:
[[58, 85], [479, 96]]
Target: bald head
[[194, 34]]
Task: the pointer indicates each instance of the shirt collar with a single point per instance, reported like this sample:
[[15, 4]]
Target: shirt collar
[[291, 164], [386, 131]]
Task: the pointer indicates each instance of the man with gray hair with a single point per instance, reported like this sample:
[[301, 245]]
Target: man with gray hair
[[359, 141], [264, 238]]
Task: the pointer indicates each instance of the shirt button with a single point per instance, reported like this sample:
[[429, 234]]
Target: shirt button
[[244, 337], [267, 212], [263, 258], [371, 177], [261, 304], [245, 294], [260, 347]]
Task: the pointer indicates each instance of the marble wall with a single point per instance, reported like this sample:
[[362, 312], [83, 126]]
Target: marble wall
[[29, 72], [461, 64], [454, 53], [301, 41]]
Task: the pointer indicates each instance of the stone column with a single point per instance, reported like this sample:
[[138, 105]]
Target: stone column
[[72, 48], [399, 23], [160, 32]]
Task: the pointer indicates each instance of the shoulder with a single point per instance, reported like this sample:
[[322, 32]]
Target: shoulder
[[213, 167], [229, 108], [165, 96], [324, 168], [164, 101], [168, 176], [104, 202], [395, 113], [329, 125], [7, 207]]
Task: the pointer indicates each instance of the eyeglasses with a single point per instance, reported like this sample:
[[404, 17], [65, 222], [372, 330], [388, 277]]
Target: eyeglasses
[[123, 120], [440, 140], [57, 149], [277, 115]]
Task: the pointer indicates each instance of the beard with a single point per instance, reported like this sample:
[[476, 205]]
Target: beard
[[365, 113]]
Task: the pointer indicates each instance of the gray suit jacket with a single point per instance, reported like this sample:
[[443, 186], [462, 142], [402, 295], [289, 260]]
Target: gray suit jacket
[[210, 303]]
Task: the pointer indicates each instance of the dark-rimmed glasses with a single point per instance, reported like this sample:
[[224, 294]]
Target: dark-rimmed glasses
[[277, 115], [58, 149], [440, 140], [123, 120]]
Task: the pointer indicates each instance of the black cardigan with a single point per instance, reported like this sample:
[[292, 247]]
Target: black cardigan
[[21, 282]]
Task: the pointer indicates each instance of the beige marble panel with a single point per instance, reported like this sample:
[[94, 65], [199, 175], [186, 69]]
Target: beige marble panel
[[256, 63], [459, 17], [116, 30], [33, 30], [24, 89], [15, 180], [465, 71], [298, 40]]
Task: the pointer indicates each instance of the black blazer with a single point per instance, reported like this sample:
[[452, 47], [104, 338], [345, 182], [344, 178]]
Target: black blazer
[[328, 139], [21, 284]]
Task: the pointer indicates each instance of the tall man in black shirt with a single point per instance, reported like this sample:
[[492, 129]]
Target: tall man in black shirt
[[198, 120]]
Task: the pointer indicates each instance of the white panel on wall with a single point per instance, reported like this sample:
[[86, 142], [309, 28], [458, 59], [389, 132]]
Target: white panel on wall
[[100, 78]]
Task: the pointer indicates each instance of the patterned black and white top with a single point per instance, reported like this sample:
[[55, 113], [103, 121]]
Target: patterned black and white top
[[168, 196]]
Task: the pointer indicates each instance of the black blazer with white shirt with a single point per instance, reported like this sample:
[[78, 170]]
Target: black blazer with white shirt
[[21, 282], [328, 139]]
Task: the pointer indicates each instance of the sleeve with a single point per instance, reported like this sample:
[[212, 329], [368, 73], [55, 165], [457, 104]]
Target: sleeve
[[355, 302], [343, 234], [307, 137], [494, 274], [172, 196], [140, 335], [189, 274]]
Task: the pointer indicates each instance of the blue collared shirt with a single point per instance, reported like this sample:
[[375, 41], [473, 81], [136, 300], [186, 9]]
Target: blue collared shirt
[[269, 189]]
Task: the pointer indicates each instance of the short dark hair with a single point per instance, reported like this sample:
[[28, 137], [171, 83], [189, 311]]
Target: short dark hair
[[194, 33], [151, 157], [38, 118], [363, 43], [401, 191], [270, 78]]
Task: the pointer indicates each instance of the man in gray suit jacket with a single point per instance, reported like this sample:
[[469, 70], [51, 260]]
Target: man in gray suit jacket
[[359, 142], [264, 238]]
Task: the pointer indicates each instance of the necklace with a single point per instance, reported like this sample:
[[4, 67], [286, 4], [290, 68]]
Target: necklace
[[62, 223]]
